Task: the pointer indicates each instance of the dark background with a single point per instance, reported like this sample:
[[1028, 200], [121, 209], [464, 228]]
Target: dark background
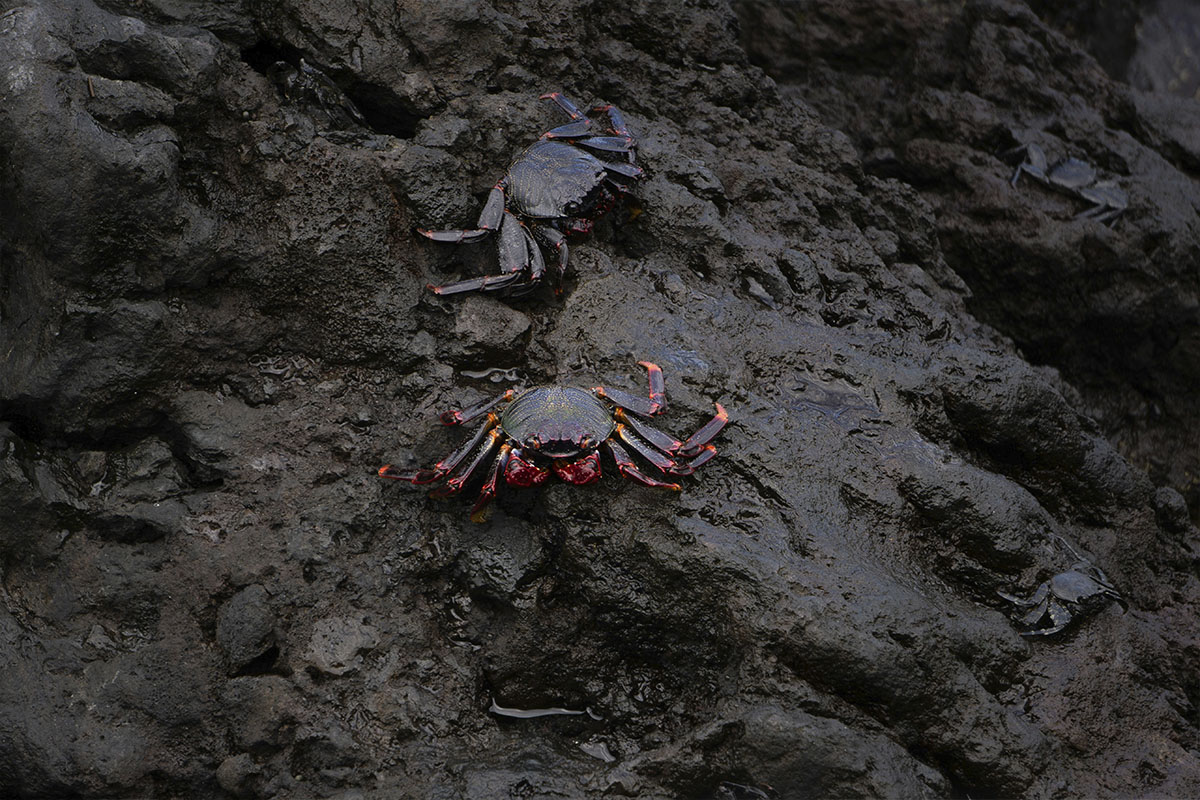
[[214, 330]]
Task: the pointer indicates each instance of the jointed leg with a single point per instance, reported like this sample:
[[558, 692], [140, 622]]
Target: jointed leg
[[628, 170], [609, 144], [706, 434], [555, 238], [663, 441], [616, 122], [489, 221], [572, 130], [565, 104], [490, 487], [456, 417], [646, 451], [638, 405], [447, 464], [706, 455], [455, 484], [627, 467], [490, 283]]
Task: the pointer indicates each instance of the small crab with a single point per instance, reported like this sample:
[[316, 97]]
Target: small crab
[[1083, 588], [556, 186], [1076, 178], [563, 430]]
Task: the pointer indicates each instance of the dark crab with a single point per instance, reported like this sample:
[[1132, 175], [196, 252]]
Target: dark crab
[[1084, 588], [563, 430], [1076, 178], [556, 186]]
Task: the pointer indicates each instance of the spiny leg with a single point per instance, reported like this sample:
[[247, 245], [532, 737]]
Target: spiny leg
[[457, 417], [489, 221], [488, 492], [706, 434], [455, 484], [627, 467], [447, 464], [638, 405]]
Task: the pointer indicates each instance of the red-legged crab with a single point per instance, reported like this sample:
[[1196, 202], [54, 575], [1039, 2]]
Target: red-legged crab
[[556, 186], [563, 430]]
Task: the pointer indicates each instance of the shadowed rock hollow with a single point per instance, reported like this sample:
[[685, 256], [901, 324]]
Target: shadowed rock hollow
[[215, 329]]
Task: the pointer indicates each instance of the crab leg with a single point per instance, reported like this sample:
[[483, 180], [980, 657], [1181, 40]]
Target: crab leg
[[456, 417], [555, 238], [447, 464], [706, 455], [512, 248], [705, 435], [615, 144], [572, 130], [489, 221], [455, 484], [628, 170], [663, 441], [658, 397], [565, 104], [616, 122], [537, 264], [627, 467], [647, 452], [488, 492], [490, 283]]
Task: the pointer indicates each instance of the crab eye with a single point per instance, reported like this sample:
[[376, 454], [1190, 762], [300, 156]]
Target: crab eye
[[571, 207]]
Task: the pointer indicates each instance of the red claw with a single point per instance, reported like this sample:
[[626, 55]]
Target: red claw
[[522, 473], [580, 472]]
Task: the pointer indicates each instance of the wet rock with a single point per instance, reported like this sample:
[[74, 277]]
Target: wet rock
[[246, 627], [487, 333], [216, 332]]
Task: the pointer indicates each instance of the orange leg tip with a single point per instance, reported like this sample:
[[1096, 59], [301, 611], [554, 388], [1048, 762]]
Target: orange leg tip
[[384, 469], [721, 411], [650, 365]]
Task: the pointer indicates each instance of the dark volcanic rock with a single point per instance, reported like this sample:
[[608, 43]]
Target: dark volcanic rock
[[941, 388]]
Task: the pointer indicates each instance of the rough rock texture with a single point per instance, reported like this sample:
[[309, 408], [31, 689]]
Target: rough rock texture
[[215, 329]]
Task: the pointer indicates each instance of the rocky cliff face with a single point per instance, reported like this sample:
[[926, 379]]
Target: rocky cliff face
[[942, 388]]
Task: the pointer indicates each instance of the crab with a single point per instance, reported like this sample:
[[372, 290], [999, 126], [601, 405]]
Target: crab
[[1076, 178], [1083, 588], [556, 186], [563, 431]]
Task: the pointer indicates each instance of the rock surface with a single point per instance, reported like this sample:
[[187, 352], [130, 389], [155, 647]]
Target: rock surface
[[215, 328]]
